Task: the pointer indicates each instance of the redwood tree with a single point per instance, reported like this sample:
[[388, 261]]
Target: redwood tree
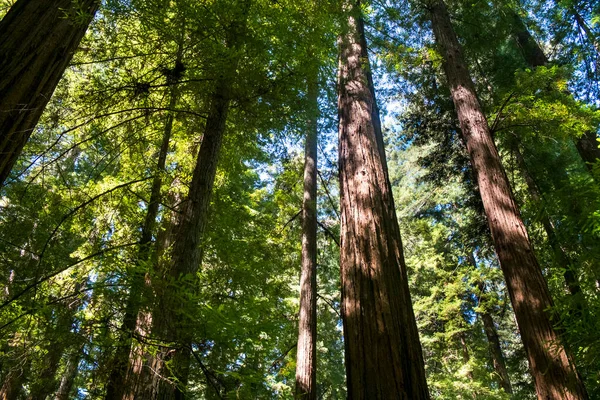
[[551, 366], [37, 41], [306, 359], [382, 350]]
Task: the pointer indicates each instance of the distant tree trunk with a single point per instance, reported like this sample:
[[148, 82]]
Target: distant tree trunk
[[465, 354], [306, 359], [68, 378], [170, 320], [585, 28], [498, 360], [117, 386], [382, 350], [12, 387], [552, 369], [587, 144], [37, 41], [562, 258], [47, 381]]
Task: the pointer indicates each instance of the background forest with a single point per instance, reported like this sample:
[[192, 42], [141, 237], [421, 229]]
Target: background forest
[[89, 213]]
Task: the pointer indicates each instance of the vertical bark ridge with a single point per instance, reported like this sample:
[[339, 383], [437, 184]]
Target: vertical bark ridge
[[383, 353], [551, 366], [37, 41], [306, 359]]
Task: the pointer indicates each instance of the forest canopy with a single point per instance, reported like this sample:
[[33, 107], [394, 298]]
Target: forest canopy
[[265, 199]]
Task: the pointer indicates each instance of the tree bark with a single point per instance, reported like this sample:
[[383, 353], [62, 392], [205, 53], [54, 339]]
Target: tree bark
[[37, 41], [306, 358], [587, 144], [382, 350], [552, 369]]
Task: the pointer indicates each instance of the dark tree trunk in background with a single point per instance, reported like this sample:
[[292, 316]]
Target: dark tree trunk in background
[[117, 387], [37, 41], [587, 144], [68, 378], [382, 350], [552, 369], [306, 359], [170, 320], [562, 258], [496, 353]]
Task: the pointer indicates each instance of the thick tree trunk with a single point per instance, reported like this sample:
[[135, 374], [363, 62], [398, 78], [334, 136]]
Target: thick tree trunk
[[562, 258], [552, 369], [37, 41], [117, 387], [306, 359], [382, 350], [587, 144]]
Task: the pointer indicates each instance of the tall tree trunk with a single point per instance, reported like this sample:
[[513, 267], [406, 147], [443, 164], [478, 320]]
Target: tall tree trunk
[[382, 350], [562, 258], [306, 359], [59, 336], [465, 354], [68, 378], [37, 41], [587, 144], [552, 369], [173, 323], [117, 385], [498, 360], [585, 28]]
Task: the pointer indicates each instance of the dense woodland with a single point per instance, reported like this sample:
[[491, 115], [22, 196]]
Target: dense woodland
[[265, 199]]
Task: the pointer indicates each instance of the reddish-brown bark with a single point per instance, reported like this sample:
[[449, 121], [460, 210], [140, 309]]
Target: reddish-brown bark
[[382, 350], [306, 357], [552, 369], [37, 41]]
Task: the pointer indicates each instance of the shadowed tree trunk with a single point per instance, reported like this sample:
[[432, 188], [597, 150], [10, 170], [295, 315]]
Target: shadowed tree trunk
[[587, 144], [171, 320], [117, 385], [382, 350], [68, 378], [37, 41], [306, 359], [552, 369], [562, 258], [498, 360]]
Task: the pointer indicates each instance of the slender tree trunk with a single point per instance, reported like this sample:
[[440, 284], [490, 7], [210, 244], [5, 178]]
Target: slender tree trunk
[[174, 324], [552, 369], [587, 144], [498, 360], [37, 41], [47, 381], [382, 350], [586, 29], [117, 386], [306, 359], [68, 378], [465, 354], [562, 258]]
